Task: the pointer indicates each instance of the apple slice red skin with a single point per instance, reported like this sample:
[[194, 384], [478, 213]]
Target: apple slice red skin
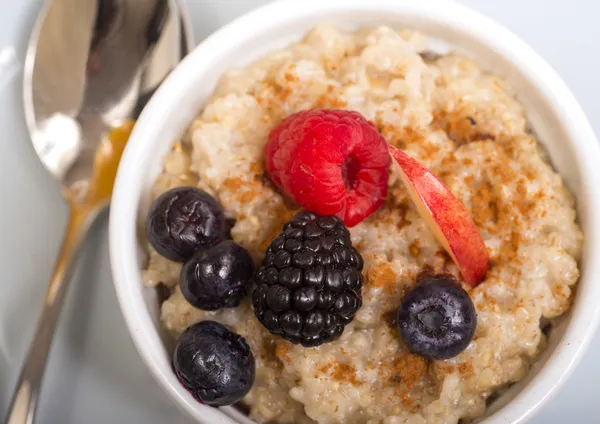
[[447, 217]]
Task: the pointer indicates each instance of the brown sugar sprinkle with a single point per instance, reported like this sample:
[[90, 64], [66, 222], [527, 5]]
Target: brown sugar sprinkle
[[341, 371], [445, 257], [247, 196], [403, 137], [414, 248], [390, 132], [469, 179], [382, 275], [244, 192], [325, 368], [408, 369], [397, 198], [521, 187], [502, 169], [558, 290], [465, 370], [282, 351], [508, 251], [330, 100], [273, 94], [407, 400], [525, 203], [415, 408], [233, 184], [257, 168], [483, 206], [283, 92], [430, 150], [290, 74], [330, 65], [441, 370], [529, 174], [460, 127], [400, 137], [489, 300], [394, 210]]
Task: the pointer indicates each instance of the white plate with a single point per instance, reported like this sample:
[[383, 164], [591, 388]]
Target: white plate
[[95, 375]]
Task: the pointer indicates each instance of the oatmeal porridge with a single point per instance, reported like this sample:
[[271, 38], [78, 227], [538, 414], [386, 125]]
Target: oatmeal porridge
[[456, 119]]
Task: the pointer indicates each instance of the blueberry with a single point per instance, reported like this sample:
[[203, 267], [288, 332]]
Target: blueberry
[[437, 318], [218, 277], [214, 364], [184, 220]]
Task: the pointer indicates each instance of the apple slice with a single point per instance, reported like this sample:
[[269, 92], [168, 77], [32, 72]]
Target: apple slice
[[446, 216]]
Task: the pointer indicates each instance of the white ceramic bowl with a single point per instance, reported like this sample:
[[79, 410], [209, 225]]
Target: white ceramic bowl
[[552, 111]]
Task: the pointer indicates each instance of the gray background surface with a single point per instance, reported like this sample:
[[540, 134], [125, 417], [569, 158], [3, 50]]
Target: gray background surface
[[95, 376]]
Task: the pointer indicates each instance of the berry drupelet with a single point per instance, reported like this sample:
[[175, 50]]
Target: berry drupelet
[[309, 285]]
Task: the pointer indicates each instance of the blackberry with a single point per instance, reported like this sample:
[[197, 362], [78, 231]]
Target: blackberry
[[309, 285]]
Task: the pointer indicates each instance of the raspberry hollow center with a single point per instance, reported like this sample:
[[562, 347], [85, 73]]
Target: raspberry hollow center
[[350, 168]]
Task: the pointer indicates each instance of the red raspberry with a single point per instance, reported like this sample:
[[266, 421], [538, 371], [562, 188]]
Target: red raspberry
[[332, 162]]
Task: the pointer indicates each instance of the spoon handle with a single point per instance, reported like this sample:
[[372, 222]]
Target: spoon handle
[[25, 397]]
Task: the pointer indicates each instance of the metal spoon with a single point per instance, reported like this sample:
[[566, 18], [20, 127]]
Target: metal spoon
[[91, 65]]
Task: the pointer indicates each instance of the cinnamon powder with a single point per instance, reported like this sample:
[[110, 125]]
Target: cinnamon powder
[[409, 369], [382, 275], [341, 371]]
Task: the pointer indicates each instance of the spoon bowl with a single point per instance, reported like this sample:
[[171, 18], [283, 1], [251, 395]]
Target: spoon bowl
[[90, 65]]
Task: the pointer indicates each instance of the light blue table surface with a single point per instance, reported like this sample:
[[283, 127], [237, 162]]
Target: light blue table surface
[[95, 376]]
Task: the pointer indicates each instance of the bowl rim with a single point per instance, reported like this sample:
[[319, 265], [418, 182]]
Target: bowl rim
[[586, 150]]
